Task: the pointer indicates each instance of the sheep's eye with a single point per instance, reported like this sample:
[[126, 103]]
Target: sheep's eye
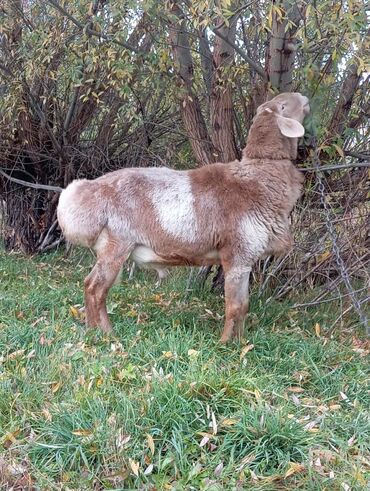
[[282, 107]]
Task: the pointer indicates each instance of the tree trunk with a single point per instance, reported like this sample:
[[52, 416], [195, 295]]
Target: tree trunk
[[282, 46], [190, 107], [222, 113]]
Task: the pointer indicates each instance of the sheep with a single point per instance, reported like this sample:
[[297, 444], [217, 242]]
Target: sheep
[[230, 214]]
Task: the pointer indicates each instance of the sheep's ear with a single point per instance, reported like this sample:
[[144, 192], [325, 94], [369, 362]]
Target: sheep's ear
[[290, 127]]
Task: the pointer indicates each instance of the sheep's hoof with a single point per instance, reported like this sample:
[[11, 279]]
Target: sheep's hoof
[[224, 339]]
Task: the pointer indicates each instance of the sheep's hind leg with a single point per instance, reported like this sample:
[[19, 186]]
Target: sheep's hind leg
[[236, 301], [100, 280]]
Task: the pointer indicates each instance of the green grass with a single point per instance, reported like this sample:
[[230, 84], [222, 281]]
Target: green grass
[[160, 404]]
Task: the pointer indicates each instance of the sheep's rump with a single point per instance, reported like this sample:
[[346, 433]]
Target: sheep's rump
[[81, 212]]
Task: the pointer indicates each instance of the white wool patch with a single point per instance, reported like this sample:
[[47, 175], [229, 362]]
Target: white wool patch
[[173, 201], [254, 234], [144, 255]]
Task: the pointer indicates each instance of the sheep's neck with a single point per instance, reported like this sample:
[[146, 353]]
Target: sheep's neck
[[265, 141]]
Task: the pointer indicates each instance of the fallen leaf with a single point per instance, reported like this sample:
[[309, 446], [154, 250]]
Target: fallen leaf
[[122, 439], [150, 442], [296, 390], [134, 466], [293, 469], [81, 432], [192, 353], [229, 422], [245, 350], [55, 387], [204, 441], [168, 354], [15, 354], [148, 470], [317, 329], [214, 423], [47, 414], [218, 469], [334, 407], [351, 441]]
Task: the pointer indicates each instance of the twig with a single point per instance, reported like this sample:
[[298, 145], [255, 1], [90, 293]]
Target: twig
[[310, 304], [334, 167], [45, 187]]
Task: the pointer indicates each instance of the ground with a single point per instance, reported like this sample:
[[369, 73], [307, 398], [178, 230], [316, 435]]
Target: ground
[[160, 404]]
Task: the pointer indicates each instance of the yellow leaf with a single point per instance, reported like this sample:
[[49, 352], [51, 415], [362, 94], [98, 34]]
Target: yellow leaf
[[55, 387], [47, 414], [334, 407], [15, 354], [167, 354], [295, 389], [339, 150], [293, 469], [81, 432], [74, 311], [322, 257], [245, 350], [99, 381], [230, 422], [192, 353], [150, 442], [317, 329], [134, 466]]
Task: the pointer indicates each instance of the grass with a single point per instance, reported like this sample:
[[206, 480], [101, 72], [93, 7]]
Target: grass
[[160, 404]]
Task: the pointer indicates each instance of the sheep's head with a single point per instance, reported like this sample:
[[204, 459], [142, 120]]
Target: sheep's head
[[277, 126], [291, 109]]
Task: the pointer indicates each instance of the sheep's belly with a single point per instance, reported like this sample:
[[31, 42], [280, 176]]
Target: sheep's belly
[[146, 257]]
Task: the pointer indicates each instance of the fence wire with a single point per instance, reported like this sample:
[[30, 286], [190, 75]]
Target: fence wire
[[356, 302]]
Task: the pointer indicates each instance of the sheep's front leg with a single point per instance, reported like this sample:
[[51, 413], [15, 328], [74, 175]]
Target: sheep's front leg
[[97, 285], [236, 301]]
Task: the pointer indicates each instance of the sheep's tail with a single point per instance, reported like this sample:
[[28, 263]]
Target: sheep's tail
[[81, 213]]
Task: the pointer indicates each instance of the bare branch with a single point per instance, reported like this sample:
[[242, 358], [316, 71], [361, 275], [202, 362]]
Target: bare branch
[[45, 187]]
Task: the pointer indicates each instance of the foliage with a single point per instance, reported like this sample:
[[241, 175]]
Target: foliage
[[160, 404]]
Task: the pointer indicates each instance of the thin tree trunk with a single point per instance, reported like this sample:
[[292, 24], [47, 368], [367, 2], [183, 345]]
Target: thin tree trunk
[[282, 47], [190, 107]]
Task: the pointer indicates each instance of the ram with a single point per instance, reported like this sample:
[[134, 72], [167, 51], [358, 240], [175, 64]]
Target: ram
[[231, 214]]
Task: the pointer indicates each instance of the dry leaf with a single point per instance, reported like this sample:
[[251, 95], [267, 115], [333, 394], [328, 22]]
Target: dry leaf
[[168, 354], [334, 407], [148, 470], [81, 432], [214, 423], [351, 441], [15, 354], [192, 353], [293, 469], [245, 350], [317, 329], [55, 387], [134, 466], [218, 469], [150, 442], [47, 414], [122, 438], [204, 441], [229, 422], [296, 390]]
